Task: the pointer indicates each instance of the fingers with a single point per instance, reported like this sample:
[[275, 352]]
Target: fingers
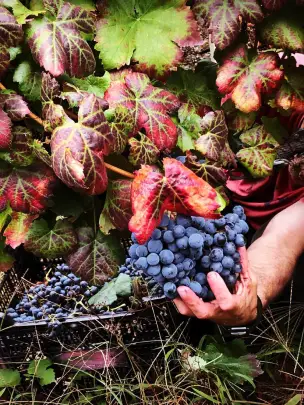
[[224, 298], [199, 308], [182, 307], [244, 262]]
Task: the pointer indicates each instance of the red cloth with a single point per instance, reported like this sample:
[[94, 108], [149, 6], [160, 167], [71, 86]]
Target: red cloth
[[264, 198]]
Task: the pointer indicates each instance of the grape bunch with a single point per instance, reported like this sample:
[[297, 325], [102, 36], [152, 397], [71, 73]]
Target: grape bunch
[[62, 296], [183, 250]]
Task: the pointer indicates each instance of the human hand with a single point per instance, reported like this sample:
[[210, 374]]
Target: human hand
[[228, 309]]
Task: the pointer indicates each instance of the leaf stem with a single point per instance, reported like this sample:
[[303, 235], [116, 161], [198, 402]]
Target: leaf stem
[[72, 115]]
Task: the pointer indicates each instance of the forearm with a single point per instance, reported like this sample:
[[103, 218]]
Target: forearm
[[273, 256]]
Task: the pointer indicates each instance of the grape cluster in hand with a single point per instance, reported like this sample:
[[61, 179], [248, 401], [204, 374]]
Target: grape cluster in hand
[[62, 296], [183, 250]]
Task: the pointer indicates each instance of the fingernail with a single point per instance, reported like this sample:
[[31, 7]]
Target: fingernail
[[182, 291], [212, 275]]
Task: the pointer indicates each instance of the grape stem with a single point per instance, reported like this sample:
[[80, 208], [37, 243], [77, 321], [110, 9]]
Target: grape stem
[[72, 115]]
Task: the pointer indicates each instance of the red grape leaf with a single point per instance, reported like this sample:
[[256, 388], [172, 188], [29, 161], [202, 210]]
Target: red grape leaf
[[53, 115], [6, 260], [284, 30], [223, 18], [150, 33], [58, 45], [51, 243], [150, 107], [117, 206], [261, 152], [21, 153], [273, 4], [11, 35], [244, 81], [142, 151], [78, 148], [239, 121], [97, 257], [211, 172], [190, 191], [180, 190], [214, 134], [18, 228], [27, 189], [148, 195], [122, 123], [290, 95], [14, 105], [5, 130]]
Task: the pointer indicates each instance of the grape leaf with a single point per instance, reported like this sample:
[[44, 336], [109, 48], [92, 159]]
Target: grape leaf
[[92, 84], [20, 11], [245, 80], [29, 82], [284, 30], [274, 127], [196, 88], [14, 105], [41, 153], [78, 148], [48, 242], [290, 95], [5, 130], [148, 195], [57, 45], [189, 127], [180, 190], [53, 115], [149, 107], [140, 31], [97, 257], [5, 217], [214, 133], [273, 4], [6, 261], [8, 377], [11, 35], [117, 207], [223, 18], [41, 370], [121, 125], [17, 229], [20, 153], [26, 188], [121, 286], [239, 121], [260, 154], [142, 151], [211, 172]]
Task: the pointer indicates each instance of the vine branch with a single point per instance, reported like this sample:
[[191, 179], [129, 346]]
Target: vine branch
[[72, 115]]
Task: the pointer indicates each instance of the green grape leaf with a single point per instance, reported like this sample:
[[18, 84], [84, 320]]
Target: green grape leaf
[[57, 45], [147, 32], [14, 51], [196, 88], [43, 241], [92, 84], [211, 172], [6, 263], [5, 216], [121, 125], [189, 127], [284, 30], [105, 224], [41, 153], [20, 11], [17, 230], [290, 95], [42, 370], [214, 134], [275, 128], [149, 106], [20, 153], [117, 206], [142, 151], [29, 81], [223, 18], [8, 377], [53, 115], [5, 131], [260, 154], [119, 287], [97, 257], [14, 105], [11, 35], [245, 80], [78, 148], [26, 188]]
